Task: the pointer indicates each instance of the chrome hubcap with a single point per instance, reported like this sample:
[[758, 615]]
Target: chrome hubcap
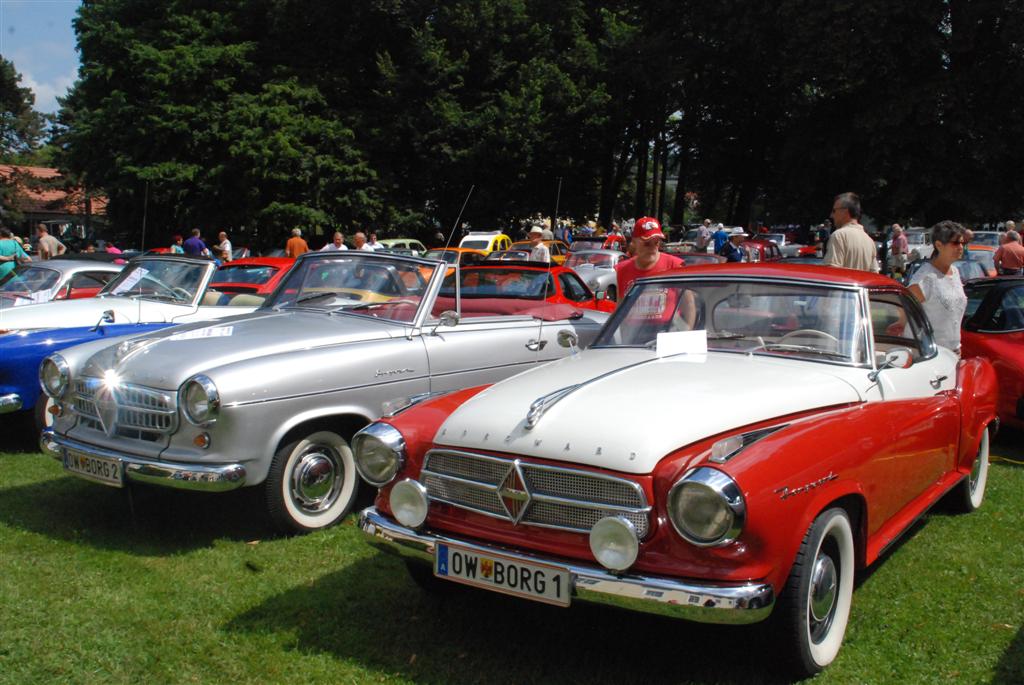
[[316, 479], [823, 588]]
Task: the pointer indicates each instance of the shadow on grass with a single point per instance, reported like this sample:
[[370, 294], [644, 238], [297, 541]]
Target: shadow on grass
[[1010, 670], [372, 613], [1009, 444], [145, 521]]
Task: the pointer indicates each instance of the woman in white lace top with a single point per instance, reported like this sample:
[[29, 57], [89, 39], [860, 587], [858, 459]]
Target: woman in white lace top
[[937, 284]]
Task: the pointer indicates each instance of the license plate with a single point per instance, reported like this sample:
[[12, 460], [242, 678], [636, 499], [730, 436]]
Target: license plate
[[100, 469], [539, 582]]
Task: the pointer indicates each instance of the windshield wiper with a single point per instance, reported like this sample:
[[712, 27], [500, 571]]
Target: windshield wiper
[[789, 347]]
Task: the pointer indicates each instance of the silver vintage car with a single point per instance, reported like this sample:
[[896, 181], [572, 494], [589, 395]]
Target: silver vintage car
[[272, 398], [597, 269]]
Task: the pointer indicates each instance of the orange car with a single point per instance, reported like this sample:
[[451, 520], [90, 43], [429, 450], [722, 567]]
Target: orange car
[[558, 249], [463, 256]]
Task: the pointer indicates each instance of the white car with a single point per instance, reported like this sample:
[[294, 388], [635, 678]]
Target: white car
[[150, 289]]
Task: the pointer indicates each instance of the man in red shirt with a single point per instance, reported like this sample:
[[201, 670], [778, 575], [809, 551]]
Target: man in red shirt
[[1009, 258], [648, 259]]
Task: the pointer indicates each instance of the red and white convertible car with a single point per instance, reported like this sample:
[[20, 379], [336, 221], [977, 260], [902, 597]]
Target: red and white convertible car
[[777, 428]]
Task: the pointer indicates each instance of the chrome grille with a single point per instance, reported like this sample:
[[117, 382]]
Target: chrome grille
[[562, 498], [141, 413]]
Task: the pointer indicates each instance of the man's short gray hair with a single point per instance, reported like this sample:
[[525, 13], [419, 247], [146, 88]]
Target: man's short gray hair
[[1013, 235]]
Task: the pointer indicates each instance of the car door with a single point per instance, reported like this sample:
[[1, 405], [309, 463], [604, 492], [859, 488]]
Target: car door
[[923, 408], [485, 349]]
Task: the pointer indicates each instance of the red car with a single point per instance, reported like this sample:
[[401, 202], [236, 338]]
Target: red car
[[760, 454], [994, 328], [252, 275], [761, 250], [490, 283]]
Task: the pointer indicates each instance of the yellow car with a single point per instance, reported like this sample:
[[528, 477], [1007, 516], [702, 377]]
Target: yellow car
[[486, 241]]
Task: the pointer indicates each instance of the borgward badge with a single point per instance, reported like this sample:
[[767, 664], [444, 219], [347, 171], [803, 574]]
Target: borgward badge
[[513, 493], [106, 408]]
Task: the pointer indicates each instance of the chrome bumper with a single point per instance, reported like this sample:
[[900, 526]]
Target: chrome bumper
[[704, 603], [197, 477], [10, 403]]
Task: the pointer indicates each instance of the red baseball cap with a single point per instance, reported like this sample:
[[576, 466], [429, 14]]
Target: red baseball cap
[[647, 227]]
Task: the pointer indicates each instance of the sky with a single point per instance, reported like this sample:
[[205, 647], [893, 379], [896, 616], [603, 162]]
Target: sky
[[37, 36]]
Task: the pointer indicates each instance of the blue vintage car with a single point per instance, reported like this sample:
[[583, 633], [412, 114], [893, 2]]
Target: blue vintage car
[[21, 354]]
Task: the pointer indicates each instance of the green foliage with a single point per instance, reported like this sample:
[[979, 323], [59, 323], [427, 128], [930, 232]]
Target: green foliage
[[384, 113]]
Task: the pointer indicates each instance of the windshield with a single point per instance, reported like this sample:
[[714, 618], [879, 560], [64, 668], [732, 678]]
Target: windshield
[[986, 238], [475, 244], [32, 283], [383, 286], [154, 279], [508, 255], [501, 282], [916, 238], [445, 255], [777, 238], [599, 260], [250, 274], [813, 322]]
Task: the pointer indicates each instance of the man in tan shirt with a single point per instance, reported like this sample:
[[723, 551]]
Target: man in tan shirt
[[850, 246], [48, 246]]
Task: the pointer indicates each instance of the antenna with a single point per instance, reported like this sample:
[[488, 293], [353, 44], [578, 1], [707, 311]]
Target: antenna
[[458, 219]]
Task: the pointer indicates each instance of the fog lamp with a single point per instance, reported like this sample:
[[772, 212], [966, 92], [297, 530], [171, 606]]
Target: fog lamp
[[409, 503], [614, 542]]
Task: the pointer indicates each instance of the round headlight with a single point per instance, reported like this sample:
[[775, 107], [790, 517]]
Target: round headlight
[[379, 453], [200, 400], [409, 503], [614, 543], [706, 507], [54, 375]]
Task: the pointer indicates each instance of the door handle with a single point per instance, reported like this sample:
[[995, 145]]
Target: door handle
[[937, 381], [535, 345]]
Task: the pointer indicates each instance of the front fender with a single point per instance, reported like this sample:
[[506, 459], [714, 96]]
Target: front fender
[[979, 394]]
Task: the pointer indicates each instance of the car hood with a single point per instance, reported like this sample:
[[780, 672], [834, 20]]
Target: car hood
[[638, 408], [87, 311], [58, 338], [167, 358]]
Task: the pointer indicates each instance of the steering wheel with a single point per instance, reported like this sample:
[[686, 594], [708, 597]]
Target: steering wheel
[[808, 333], [182, 293]]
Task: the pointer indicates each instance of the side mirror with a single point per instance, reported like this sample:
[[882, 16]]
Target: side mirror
[[105, 317], [601, 295], [568, 339], [898, 358], [448, 319]]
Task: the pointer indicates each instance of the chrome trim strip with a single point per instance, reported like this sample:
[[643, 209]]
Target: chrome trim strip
[[735, 604], [9, 403], [197, 477]]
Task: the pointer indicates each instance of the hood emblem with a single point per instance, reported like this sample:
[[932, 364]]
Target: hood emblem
[[106, 408], [540, 405], [514, 495]]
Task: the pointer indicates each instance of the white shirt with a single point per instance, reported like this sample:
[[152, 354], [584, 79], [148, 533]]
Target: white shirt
[[944, 302], [367, 248], [225, 247], [331, 247], [540, 253]]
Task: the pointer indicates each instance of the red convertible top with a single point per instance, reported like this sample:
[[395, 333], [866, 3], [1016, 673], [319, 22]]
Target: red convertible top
[[781, 269]]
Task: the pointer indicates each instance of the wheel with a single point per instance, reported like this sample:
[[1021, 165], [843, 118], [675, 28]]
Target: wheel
[[971, 492], [312, 483], [815, 604], [808, 333]]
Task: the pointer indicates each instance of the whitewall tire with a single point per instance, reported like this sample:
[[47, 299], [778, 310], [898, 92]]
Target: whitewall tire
[[312, 483], [972, 489], [815, 603]]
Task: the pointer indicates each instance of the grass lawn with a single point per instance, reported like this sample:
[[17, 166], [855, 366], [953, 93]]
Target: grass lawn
[[181, 588]]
